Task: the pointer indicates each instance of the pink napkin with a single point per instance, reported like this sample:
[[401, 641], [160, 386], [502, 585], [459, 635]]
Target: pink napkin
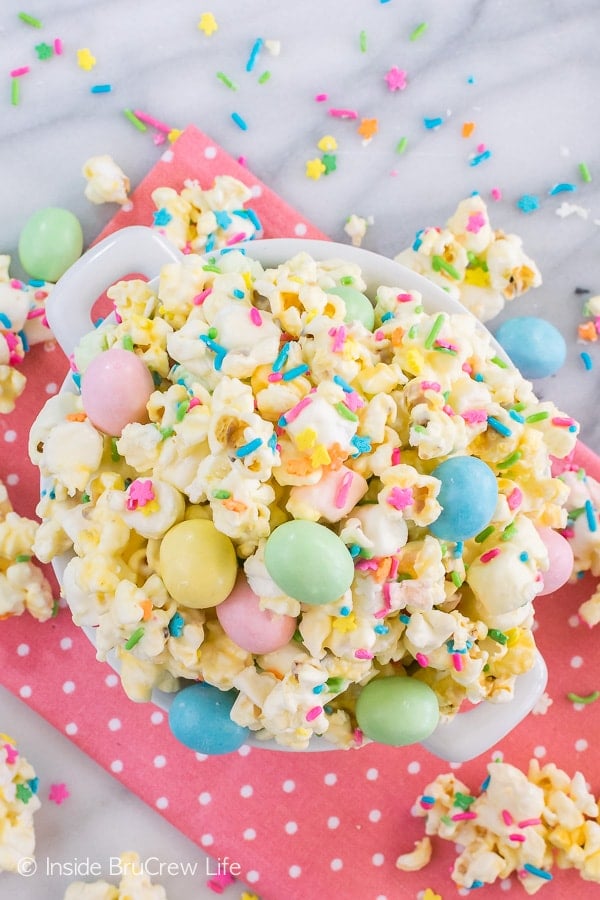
[[300, 825]]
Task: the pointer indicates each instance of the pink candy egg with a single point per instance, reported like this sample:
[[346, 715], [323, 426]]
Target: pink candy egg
[[115, 389], [560, 555], [255, 630], [333, 497]]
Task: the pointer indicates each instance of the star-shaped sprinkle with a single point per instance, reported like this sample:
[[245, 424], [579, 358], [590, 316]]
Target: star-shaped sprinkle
[[329, 160], [85, 60], [23, 793], [314, 169], [476, 222], [400, 498], [44, 51], [58, 793], [11, 753], [327, 143], [396, 79], [161, 217], [140, 493], [431, 895], [207, 23], [368, 128]]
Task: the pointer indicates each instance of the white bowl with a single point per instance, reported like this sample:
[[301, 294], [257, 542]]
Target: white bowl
[[142, 251]]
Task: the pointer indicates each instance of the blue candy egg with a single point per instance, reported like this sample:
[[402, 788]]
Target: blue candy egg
[[468, 498], [199, 718], [535, 346]]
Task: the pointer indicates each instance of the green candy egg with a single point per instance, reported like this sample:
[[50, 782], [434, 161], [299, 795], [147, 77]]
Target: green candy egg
[[50, 242], [358, 306], [308, 562], [397, 710]]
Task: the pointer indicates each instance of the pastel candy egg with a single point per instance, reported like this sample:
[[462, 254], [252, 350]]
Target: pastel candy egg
[[115, 389], [50, 242], [397, 710], [197, 564], [308, 562], [535, 346], [199, 717], [468, 498], [560, 555], [331, 498], [250, 627], [358, 306]]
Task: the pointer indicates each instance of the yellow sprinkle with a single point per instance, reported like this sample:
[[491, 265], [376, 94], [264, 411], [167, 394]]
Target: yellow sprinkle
[[314, 169], [320, 457], [6, 739], [414, 361], [327, 143], [477, 277], [306, 439], [247, 280], [513, 635], [431, 895], [343, 624], [174, 134], [85, 60], [207, 23], [149, 508]]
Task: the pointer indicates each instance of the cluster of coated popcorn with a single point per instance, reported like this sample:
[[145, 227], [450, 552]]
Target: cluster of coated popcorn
[[135, 884], [22, 324], [583, 533], [521, 823], [22, 584], [270, 406], [18, 803], [105, 180], [476, 265]]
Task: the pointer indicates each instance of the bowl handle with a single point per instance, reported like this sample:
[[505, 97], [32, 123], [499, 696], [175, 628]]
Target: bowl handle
[[134, 249]]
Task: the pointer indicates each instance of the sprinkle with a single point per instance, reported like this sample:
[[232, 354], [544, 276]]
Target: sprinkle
[[227, 81], [497, 636], [16, 73], [341, 497], [426, 801], [150, 120], [433, 123], [507, 817], [563, 421], [584, 173], [520, 838], [459, 817], [589, 698], [528, 203], [294, 412], [436, 328], [422, 660], [439, 264], [480, 157], [463, 800], [484, 535], [249, 448], [208, 23], [219, 351], [58, 793], [500, 427], [134, 638], [239, 121], [590, 515], [587, 360], [457, 662], [85, 60], [321, 98], [401, 146], [313, 713], [396, 79], [396, 456], [347, 388], [15, 88], [344, 412], [264, 77], [485, 783], [509, 532], [363, 654], [101, 89], [418, 32], [140, 493], [296, 372], [314, 168], [256, 48], [58, 46], [489, 555], [400, 498], [525, 823], [255, 317], [30, 20], [362, 41], [137, 123], [560, 188], [467, 129], [343, 113], [541, 873], [510, 460]]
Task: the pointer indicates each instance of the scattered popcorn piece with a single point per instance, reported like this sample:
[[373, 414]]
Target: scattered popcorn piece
[[135, 884], [582, 530], [415, 859], [356, 228], [106, 182], [18, 803]]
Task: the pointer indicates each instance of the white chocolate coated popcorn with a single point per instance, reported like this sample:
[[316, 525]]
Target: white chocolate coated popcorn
[[105, 180], [134, 884], [18, 804]]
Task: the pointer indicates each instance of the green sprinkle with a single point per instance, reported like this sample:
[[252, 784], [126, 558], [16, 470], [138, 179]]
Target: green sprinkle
[[446, 820], [55, 608], [137, 123], [418, 32], [463, 800], [585, 173], [420, 429], [412, 332], [510, 460], [363, 41], [345, 412], [435, 330], [134, 638], [335, 684], [114, 453], [227, 81], [297, 637], [22, 557], [209, 267], [499, 362], [262, 79], [221, 495], [497, 636], [23, 793], [212, 333], [347, 279], [182, 408], [14, 91], [484, 535], [85, 498], [127, 342], [456, 578], [402, 145], [509, 532], [447, 350], [575, 513], [166, 432], [439, 264], [590, 698], [537, 417], [520, 406], [30, 20]]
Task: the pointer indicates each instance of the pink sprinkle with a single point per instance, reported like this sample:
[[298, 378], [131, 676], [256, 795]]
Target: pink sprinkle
[[379, 335], [186, 249], [150, 120], [358, 736], [341, 496], [396, 456], [422, 660], [313, 713], [563, 421], [158, 139], [343, 113], [321, 98], [16, 284], [460, 817], [396, 79], [517, 837], [11, 753], [447, 409], [35, 313], [201, 297], [242, 161], [506, 817], [431, 386], [393, 568], [363, 654], [467, 368], [400, 498], [140, 493], [404, 298], [514, 498], [524, 823], [275, 376], [255, 316], [58, 46], [489, 555], [386, 596], [16, 73], [480, 149], [567, 533], [194, 402], [496, 193], [295, 411], [220, 881], [457, 662], [353, 401], [72, 363], [366, 565], [474, 416], [240, 236], [476, 220], [426, 804], [40, 295], [446, 345], [339, 336], [381, 613]]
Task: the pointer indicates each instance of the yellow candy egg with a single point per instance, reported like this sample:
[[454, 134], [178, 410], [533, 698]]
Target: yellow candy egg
[[197, 564]]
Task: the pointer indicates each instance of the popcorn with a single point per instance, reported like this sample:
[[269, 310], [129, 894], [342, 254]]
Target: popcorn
[[18, 803], [520, 822], [106, 181], [270, 407], [478, 266], [134, 883]]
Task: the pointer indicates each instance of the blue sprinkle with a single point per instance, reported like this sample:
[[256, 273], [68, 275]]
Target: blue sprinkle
[[347, 388], [572, 428], [176, 625], [248, 448], [477, 884], [478, 377], [296, 372], [381, 629], [210, 243], [219, 351], [281, 358], [485, 784], [471, 79], [34, 784], [404, 619], [433, 123], [418, 239], [237, 248], [282, 422], [354, 549], [386, 317], [76, 379], [238, 292], [36, 282], [517, 416], [428, 799], [590, 515], [161, 217], [458, 549], [250, 214], [101, 89], [24, 340], [480, 158], [528, 203], [5, 321], [500, 427], [345, 611], [559, 188], [272, 443], [239, 121], [223, 218], [541, 873], [587, 360], [362, 444], [524, 556], [318, 688], [256, 48]]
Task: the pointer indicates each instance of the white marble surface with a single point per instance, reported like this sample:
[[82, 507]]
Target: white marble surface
[[525, 73]]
